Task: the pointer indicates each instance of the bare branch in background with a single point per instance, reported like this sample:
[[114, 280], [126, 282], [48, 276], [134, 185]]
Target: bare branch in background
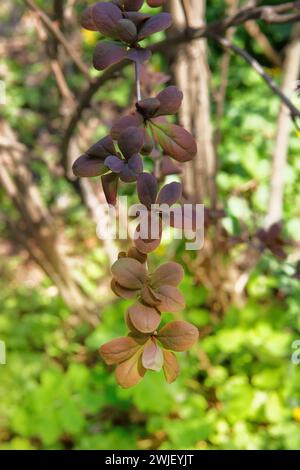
[[52, 27], [295, 112], [291, 68]]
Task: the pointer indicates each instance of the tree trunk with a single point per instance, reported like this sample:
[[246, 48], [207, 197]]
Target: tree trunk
[[34, 226], [192, 75], [291, 68]]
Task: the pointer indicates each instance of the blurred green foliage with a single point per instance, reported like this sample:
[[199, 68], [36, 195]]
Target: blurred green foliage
[[238, 388]]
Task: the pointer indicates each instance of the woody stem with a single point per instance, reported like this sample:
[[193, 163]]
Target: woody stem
[[138, 81]]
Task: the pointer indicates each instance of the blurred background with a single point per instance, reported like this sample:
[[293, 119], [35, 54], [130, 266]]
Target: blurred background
[[238, 388]]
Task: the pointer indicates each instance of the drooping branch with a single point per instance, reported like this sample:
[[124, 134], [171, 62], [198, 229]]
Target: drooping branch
[[271, 14]]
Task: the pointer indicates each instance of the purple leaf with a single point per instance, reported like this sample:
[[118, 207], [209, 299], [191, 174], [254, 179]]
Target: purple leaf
[[135, 163], [139, 55], [106, 16], [155, 24], [152, 358], [103, 148], [132, 5], [148, 144], [114, 164], [127, 175], [110, 188], [175, 140], [132, 120], [168, 167], [126, 31], [87, 21], [136, 17], [148, 107], [107, 53], [131, 141], [87, 167], [155, 3], [147, 189], [170, 101], [170, 194]]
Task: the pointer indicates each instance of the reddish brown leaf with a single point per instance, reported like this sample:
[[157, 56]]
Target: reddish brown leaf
[[146, 246], [136, 254], [149, 297], [130, 372], [144, 319], [155, 24], [122, 291], [152, 357], [175, 140], [171, 299], [170, 274], [171, 367], [129, 273], [170, 101], [119, 350], [178, 336], [108, 53]]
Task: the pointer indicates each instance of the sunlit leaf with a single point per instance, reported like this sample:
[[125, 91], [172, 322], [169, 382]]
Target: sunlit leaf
[[118, 350], [170, 101], [155, 24], [129, 273], [175, 140], [178, 336], [152, 357], [167, 274], [171, 367], [144, 319], [129, 373], [171, 299]]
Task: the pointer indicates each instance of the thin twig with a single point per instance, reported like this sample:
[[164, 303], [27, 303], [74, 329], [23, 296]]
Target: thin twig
[[295, 112], [138, 92], [59, 37]]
